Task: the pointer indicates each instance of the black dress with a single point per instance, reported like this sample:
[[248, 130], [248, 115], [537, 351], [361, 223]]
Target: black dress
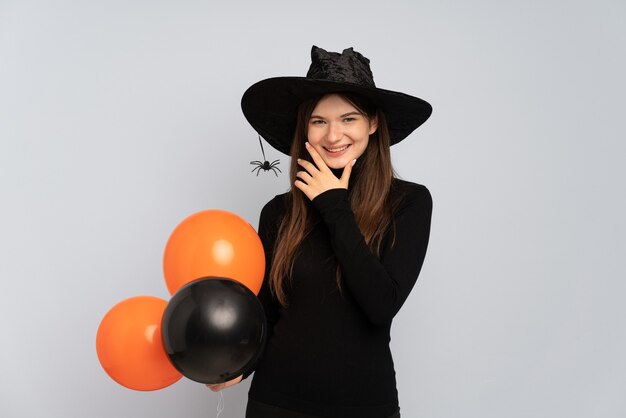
[[328, 352]]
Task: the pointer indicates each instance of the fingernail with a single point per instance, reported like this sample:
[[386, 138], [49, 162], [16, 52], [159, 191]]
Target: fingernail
[[306, 144], [353, 162]]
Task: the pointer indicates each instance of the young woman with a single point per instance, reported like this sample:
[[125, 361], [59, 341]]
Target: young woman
[[344, 246]]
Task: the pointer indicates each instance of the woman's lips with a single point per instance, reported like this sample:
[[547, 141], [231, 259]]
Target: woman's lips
[[337, 151]]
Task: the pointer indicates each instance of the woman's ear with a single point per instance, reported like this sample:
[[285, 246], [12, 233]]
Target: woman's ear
[[373, 124]]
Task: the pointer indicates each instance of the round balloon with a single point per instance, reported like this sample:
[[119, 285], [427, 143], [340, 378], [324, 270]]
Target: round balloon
[[214, 243], [130, 348], [214, 330]]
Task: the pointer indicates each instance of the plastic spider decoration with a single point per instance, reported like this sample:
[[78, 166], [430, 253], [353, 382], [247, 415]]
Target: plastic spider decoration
[[265, 165]]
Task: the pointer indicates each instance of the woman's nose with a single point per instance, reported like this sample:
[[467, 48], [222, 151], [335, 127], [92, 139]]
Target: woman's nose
[[335, 132]]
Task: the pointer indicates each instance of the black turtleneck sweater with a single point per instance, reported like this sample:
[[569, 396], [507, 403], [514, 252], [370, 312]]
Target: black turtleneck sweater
[[328, 351]]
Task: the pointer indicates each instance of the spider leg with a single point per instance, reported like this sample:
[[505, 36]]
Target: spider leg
[[274, 165], [255, 168], [275, 162], [276, 168], [273, 169], [256, 162]]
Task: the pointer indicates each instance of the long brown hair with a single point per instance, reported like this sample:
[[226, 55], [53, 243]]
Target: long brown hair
[[369, 194]]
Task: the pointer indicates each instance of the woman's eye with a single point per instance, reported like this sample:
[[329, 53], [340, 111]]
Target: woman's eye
[[317, 122], [349, 119]]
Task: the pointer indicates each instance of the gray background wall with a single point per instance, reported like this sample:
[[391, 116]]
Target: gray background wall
[[118, 119]]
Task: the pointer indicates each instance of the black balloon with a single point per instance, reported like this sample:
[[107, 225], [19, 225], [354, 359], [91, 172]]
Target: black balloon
[[213, 329]]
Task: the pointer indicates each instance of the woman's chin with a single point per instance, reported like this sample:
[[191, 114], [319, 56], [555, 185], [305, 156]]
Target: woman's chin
[[339, 161], [336, 165]]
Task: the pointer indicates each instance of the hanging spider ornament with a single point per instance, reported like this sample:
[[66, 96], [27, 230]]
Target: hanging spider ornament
[[265, 165]]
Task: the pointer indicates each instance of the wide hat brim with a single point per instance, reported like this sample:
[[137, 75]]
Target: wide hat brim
[[270, 106]]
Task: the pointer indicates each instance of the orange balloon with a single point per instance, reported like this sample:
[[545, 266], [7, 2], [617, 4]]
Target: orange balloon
[[130, 346], [214, 243]]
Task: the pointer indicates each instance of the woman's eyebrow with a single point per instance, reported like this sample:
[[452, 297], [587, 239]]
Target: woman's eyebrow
[[341, 116]]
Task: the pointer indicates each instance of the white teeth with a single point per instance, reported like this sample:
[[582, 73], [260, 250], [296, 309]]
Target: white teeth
[[337, 149]]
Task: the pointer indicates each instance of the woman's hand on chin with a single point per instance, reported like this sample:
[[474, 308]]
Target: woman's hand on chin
[[318, 178]]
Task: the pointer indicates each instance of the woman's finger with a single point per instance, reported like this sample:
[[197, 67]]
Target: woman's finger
[[317, 159], [304, 176], [216, 387], [345, 175], [304, 188], [308, 166]]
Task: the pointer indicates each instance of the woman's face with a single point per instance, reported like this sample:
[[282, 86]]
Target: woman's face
[[338, 131]]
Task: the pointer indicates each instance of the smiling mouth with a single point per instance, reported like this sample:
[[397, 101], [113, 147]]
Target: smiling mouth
[[336, 150]]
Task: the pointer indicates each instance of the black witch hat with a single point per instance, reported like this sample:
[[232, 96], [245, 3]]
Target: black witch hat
[[271, 105]]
